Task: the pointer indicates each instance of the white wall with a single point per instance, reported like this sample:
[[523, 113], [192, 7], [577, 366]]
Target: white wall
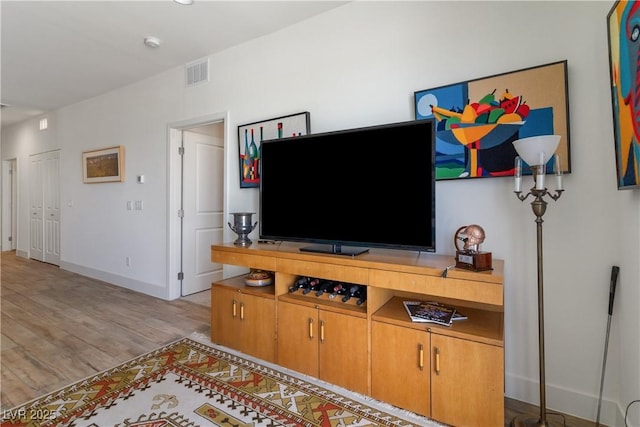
[[359, 65]]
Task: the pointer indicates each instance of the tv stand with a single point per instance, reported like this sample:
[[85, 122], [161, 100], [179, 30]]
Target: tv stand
[[335, 250], [453, 374]]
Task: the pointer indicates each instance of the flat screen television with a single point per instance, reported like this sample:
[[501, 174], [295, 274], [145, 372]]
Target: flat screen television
[[346, 191]]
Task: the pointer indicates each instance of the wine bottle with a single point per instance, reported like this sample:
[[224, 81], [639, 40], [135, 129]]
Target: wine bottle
[[352, 292], [313, 285], [253, 148], [300, 283], [362, 297], [246, 162], [252, 156], [336, 290], [325, 287]]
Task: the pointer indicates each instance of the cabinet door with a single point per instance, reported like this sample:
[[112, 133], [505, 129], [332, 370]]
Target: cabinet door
[[469, 369], [224, 311], [257, 327], [400, 367], [297, 338], [343, 351]]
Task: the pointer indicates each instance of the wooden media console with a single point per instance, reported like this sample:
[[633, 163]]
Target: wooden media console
[[453, 374]]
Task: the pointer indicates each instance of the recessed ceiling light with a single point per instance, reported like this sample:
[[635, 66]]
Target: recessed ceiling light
[[152, 42], [186, 2]]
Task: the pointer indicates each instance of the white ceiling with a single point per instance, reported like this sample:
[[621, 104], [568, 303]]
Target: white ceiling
[[57, 53]]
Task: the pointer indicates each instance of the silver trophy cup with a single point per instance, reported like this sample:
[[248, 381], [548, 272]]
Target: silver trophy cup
[[242, 226]]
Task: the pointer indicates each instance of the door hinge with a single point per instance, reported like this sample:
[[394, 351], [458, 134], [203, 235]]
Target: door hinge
[[180, 213], [10, 238], [181, 151], [181, 276]]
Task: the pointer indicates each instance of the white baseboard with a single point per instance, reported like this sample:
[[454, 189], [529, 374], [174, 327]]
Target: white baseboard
[[564, 400], [114, 279]]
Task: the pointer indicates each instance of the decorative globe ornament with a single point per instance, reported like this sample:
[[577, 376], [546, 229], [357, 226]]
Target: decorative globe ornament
[[472, 236], [469, 256], [242, 226]]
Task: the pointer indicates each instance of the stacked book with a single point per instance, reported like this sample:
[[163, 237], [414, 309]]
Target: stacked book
[[432, 312]]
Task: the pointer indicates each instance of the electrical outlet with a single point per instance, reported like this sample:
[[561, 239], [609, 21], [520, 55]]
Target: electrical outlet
[[127, 261]]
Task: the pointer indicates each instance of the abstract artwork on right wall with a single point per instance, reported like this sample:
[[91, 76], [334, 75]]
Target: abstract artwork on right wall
[[478, 120], [624, 42]]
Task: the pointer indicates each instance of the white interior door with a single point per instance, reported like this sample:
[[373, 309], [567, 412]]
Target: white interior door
[[13, 209], [36, 202], [9, 205], [44, 199], [51, 207], [203, 217]]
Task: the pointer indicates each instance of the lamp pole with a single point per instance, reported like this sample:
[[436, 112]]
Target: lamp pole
[[539, 206]]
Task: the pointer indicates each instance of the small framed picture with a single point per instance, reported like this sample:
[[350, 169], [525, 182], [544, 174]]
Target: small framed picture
[[104, 165]]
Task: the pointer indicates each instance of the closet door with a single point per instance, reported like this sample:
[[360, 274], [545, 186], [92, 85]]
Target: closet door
[[51, 186], [45, 207], [36, 201]]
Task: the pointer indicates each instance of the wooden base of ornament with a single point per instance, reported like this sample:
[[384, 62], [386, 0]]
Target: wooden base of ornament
[[474, 261]]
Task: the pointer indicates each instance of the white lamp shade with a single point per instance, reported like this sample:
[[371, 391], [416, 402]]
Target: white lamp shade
[[529, 149]]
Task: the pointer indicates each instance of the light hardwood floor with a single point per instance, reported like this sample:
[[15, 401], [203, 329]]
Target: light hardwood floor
[[59, 327]]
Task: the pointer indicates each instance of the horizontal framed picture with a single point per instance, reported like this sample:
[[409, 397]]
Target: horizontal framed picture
[[104, 165], [251, 135], [478, 120]]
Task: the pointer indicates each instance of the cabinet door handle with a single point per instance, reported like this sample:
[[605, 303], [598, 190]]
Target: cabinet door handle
[[310, 328], [234, 309], [322, 331], [420, 356], [241, 311], [437, 355]]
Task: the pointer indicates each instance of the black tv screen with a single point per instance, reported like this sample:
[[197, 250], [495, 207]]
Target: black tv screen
[[348, 190]]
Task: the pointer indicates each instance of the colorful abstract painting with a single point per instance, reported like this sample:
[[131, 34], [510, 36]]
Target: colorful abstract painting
[[251, 135], [624, 42], [478, 120]]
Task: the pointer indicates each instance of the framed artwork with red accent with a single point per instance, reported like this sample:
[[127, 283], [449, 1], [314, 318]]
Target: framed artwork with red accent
[[251, 135], [478, 120]]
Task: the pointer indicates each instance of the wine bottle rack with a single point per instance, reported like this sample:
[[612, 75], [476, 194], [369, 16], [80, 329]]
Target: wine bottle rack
[[332, 290]]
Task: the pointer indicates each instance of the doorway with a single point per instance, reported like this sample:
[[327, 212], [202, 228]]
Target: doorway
[[9, 205], [197, 203]]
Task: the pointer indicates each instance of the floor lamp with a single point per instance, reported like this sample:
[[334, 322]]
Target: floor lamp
[[537, 151]]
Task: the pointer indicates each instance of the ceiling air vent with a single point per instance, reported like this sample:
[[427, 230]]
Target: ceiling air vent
[[197, 72]]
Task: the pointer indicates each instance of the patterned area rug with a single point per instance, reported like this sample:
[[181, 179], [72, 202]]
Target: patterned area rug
[[193, 383]]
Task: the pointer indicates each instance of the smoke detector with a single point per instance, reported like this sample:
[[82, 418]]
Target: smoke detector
[[152, 42]]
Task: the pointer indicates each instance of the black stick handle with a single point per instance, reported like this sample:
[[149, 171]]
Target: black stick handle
[[612, 288]]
